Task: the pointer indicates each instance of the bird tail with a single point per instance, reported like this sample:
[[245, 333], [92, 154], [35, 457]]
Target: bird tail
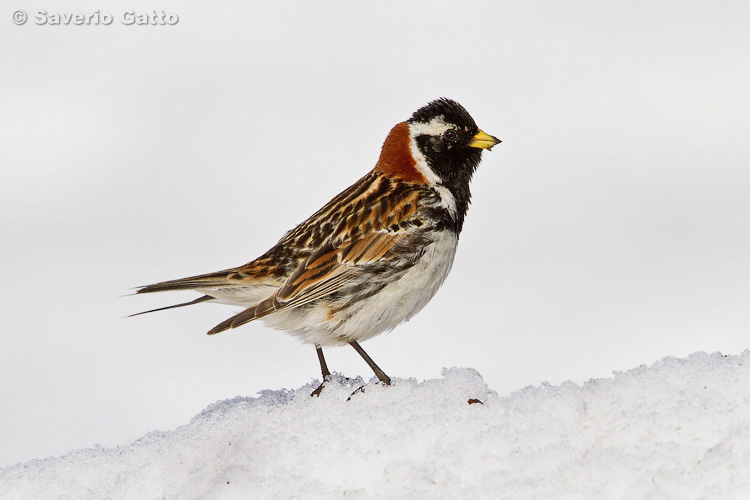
[[205, 283], [211, 280], [218, 279], [205, 298]]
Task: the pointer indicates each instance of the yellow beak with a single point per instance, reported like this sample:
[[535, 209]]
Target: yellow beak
[[484, 141]]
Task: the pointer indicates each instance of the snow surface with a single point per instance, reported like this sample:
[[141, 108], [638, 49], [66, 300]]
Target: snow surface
[[679, 428]]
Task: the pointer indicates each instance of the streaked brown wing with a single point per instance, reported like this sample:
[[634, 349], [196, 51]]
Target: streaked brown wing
[[372, 203], [328, 270], [324, 273], [365, 237]]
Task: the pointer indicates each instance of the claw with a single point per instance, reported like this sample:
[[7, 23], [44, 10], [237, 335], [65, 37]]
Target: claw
[[317, 391]]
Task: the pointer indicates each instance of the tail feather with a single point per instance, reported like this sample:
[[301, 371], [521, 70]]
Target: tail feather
[[196, 301], [217, 279]]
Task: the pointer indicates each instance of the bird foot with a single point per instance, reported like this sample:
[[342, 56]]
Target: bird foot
[[317, 391], [338, 377]]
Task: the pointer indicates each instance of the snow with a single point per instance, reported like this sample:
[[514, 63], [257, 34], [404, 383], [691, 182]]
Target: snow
[[679, 428]]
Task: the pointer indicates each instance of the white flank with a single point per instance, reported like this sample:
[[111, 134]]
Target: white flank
[[395, 303]]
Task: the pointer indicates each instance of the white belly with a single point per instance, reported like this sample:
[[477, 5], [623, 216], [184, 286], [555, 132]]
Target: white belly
[[395, 303]]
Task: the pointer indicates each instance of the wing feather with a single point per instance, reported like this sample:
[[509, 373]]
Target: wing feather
[[364, 237]]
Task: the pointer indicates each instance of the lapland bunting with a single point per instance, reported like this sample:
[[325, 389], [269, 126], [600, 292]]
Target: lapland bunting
[[374, 255]]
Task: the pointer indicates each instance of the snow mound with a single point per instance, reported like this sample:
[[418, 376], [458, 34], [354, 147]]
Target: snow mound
[[679, 428]]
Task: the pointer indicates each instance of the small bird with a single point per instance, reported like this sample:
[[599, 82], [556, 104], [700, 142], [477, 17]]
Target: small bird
[[373, 256]]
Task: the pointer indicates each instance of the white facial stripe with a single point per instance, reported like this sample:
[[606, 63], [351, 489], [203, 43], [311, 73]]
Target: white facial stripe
[[436, 126], [422, 166]]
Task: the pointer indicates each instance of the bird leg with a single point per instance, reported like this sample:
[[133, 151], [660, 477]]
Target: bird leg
[[323, 365], [380, 373], [323, 370]]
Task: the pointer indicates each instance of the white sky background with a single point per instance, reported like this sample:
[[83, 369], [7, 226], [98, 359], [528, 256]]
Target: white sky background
[[610, 228]]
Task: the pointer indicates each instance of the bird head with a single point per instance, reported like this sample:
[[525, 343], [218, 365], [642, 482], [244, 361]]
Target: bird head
[[445, 139], [439, 144]]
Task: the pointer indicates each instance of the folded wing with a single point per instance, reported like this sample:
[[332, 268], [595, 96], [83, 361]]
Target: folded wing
[[325, 272]]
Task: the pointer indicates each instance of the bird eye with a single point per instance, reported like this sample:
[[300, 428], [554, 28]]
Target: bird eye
[[451, 134]]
